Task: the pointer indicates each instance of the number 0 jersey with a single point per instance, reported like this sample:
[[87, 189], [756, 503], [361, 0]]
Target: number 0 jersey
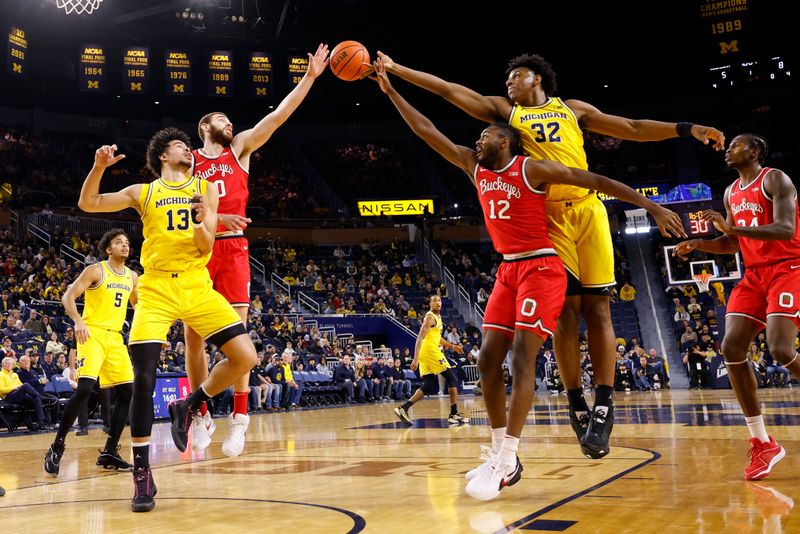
[[514, 211], [167, 226], [751, 205], [230, 179], [551, 131], [106, 302]]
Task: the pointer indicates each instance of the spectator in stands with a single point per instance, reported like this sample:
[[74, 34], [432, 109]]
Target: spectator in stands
[[293, 390], [321, 367], [695, 358], [659, 366], [34, 324], [381, 379], [644, 375], [627, 293], [401, 385], [681, 315], [365, 386], [7, 350], [345, 376], [48, 327], [777, 374], [452, 336], [54, 345], [49, 365], [274, 373], [13, 391], [688, 337]]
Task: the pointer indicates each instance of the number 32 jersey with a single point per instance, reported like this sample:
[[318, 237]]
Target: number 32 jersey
[[513, 210], [751, 205], [167, 226]]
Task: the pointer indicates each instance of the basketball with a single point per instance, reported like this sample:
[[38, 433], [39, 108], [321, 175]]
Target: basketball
[[349, 60]]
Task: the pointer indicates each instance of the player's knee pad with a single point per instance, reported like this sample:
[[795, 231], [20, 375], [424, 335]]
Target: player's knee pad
[[430, 384], [144, 357]]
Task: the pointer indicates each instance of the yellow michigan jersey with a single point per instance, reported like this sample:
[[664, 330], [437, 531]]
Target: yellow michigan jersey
[[431, 358], [106, 302], [167, 226], [551, 131], [175, 283], [103, 356]]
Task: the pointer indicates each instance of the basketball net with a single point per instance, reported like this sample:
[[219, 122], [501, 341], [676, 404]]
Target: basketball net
[[78, 7], [702, 280]]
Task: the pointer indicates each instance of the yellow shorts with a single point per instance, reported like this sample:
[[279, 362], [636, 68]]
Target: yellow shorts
[[104, 357], [582, 237], [433, 364], [189, 296]]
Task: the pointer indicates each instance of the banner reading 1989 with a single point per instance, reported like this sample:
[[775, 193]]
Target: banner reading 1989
[[136, 70], [298, 65], [220, 73], [17, 49], [92, 67], [178, 72], [259, 70]]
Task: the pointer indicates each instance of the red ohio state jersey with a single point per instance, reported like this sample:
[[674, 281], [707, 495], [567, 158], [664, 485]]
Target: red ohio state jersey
[[752, 206], [514, 211], [230, 179]]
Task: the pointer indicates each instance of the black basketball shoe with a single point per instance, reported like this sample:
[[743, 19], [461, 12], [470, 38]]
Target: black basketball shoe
[[144, 490], [181, 416], [579, 422], [52, 460], [112, 460], [594, 443]]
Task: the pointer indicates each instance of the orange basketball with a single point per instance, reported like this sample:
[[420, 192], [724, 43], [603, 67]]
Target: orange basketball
[[349, 60]]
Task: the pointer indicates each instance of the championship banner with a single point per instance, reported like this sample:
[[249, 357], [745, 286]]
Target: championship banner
[[136, 70], [727, 25], [379, 208], [220, 73], [178, 72], [92, 69], [17, 50], [298, 65], [259, 69]]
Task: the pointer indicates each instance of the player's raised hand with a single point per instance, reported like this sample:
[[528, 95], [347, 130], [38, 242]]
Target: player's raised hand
[[104, 156], [199, 207], [668, 222], [318, 61], [683, 248], [233, 222], [704, 134], [718, 220], [388, 64], [381, 77]]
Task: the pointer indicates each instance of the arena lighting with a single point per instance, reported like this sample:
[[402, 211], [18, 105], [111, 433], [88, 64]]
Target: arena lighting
[[79, 7]]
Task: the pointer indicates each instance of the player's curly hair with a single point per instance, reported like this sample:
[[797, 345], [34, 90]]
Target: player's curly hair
[[759, 143], [108, 237], [538, 65], [158, 145]]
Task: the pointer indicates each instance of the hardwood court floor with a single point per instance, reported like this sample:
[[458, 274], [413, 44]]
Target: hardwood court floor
[[676, 466]]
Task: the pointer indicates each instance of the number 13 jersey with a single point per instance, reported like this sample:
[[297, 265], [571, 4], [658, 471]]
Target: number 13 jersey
[[167, 226]]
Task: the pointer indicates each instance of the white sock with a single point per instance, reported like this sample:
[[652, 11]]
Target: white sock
[[757, 429], [508, 452], [497, 438]]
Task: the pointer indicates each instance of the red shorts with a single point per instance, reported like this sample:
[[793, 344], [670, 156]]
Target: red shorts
[[768, 291], [527, 295], [229, 268]]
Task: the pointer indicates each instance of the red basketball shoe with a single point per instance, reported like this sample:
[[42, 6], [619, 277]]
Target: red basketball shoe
[[763, 456]]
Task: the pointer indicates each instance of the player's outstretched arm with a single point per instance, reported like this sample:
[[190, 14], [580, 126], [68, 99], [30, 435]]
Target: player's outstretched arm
[[460, 156], [555, 173], [724, 244], [595, 120], [92, 201], [251, 140], [204, 219], [485, 108], [89, 277], [784, 203]]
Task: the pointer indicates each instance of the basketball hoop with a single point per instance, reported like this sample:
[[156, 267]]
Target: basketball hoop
[[702, 280], [78, 7]]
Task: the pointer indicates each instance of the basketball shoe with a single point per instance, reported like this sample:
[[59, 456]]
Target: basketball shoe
[[594, 444], [181, 416], [579, 422], [491, 481], [234, 442], [487, 455], [144, 490], [203, 427], [402, 414], [52, 460], [457, 419], [112, 460], [763, 456]]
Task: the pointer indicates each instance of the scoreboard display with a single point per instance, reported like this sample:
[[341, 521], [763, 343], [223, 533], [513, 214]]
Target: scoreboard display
[[136, 70], [695, 226], [92, 75]]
